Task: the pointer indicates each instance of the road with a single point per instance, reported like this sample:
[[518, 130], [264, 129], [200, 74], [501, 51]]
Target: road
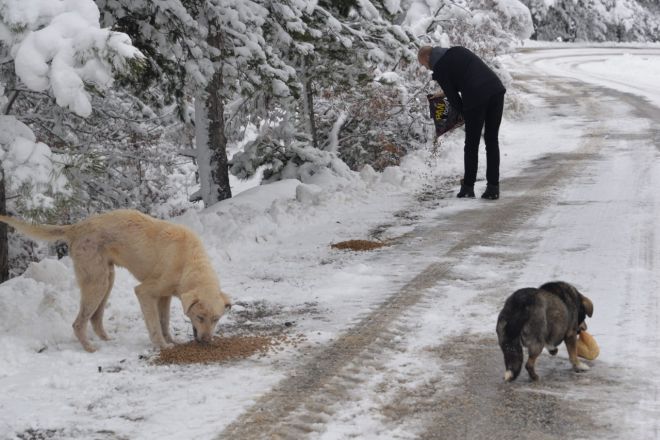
[[588, 215]]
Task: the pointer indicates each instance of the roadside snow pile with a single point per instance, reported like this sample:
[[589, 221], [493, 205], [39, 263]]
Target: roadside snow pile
[[36, 310], [282, 208]]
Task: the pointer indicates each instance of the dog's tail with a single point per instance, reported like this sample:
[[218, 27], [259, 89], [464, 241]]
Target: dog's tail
[[41, 232], [512, 351], [510, 323]]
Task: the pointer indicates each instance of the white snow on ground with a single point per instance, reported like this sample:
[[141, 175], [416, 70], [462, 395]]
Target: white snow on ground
[[630, 69], [271, 244]]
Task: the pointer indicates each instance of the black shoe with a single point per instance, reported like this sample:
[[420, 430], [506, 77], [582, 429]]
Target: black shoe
[[492, 192], [466, 191]]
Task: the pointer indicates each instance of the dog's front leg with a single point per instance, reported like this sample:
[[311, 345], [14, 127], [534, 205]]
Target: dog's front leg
[[164, 314], [148, 298], [571, 346]]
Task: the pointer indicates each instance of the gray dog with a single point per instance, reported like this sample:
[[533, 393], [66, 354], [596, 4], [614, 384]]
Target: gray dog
[[538, 318]]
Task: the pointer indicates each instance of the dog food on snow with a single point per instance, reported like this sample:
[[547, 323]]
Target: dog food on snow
[[358, 245], [220, 349]]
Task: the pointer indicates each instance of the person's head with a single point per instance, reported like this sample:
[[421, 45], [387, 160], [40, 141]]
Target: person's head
[[424, 56]]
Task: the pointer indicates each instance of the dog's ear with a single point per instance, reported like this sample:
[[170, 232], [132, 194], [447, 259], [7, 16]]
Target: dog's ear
[[226, 300], [188, 299], [588, 306]]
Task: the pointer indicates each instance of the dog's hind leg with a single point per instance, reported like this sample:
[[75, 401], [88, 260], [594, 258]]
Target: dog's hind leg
[[148, 294], [164, 314], [534, 351], [97, 317], [93, 277]]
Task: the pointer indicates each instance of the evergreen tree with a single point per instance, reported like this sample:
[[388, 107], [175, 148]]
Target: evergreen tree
[[213, 53], [59, 52], [338, 51]]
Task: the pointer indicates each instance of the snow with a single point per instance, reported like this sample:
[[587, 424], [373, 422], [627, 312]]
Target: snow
[[280, 88], [515, 16], [57, 46], [388, 78], [63, 48], [611, 67], [601, 20], [392, 6], [27, 161], [271, 244], [333, 142]]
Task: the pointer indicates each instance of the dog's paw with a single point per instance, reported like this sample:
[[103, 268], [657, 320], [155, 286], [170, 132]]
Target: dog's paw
[[89, 348], [171, 340], [580, 367], [508, 376], [165, 345]]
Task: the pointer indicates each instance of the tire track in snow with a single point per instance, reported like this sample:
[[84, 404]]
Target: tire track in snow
[[303, 402]]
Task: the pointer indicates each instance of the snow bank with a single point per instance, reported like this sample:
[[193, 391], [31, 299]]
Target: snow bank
[[37, 308]]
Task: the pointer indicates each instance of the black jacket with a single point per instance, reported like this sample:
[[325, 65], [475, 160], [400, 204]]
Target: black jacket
[[460, 70]]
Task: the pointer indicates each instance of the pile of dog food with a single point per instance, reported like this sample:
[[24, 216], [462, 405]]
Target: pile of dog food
[[220, 349], [358, 245], [224, 349]]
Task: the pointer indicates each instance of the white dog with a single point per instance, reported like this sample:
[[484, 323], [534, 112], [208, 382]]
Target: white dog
[[167, 259]]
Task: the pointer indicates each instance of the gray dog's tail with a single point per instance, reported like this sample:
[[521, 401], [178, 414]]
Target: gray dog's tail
[[513, 353], [510, 323], [41, 232]]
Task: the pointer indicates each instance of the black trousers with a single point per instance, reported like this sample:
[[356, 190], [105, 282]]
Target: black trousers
[[488, 115]]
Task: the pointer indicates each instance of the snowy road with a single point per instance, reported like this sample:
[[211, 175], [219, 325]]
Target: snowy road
[[398, 343], [425, 363]]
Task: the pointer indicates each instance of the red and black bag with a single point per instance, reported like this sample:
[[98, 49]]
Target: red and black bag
[[445, 117]]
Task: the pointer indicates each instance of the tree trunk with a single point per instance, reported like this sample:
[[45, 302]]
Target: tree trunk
[[308, 103], [4, 243], [210, 139]]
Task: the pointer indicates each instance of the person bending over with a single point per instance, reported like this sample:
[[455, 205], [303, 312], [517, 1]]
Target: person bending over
[[476, 91]]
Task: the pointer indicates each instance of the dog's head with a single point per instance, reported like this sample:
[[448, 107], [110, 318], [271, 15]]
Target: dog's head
[[204, 310], [585, 308]]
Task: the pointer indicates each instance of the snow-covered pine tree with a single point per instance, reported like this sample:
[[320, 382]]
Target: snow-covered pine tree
[[179, 67], [56, 49], [214, 58], [377, 120], [286, 131], [336, 48], [595, 20]]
